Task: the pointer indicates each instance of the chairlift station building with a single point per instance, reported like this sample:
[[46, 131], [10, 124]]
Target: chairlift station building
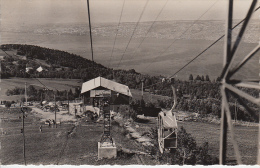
[[95, 89]]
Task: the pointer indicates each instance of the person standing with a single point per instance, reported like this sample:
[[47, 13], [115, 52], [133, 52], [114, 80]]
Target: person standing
[[75, 111], [40, 128]]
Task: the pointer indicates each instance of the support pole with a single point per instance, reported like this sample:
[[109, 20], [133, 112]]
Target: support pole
[[227, 60], [41, 99], [258, 154], [25, 95], [223, 136], [68, 102], [55, 110], [24, 158], [236, 111], [142, 89]]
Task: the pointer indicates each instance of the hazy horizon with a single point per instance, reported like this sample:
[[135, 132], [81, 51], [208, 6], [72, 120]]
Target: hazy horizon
[[63, 25], [29, 12]]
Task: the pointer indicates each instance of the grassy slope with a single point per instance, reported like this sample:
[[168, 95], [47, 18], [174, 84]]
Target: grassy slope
[[48, 147], [59, 84], [52, 147], [247, 138]]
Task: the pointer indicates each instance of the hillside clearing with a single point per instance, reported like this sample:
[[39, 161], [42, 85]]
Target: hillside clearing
[[81, 146], [59, 84]]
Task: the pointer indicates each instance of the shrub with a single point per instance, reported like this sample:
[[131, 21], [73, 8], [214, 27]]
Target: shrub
[[186, 151], [8, 104], [189, 153], [133, 114]]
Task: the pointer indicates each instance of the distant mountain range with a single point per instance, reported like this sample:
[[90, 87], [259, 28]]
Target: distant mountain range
[[205, 30], [166, 48]]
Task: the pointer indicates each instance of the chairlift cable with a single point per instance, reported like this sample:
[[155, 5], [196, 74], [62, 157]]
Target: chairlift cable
[[208, 47], [183, 33], [116, 34], [90, 33], [203, 51], [133, 33], [150, 28]]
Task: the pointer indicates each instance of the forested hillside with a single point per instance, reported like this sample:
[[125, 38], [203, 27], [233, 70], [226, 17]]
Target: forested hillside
[[200, 94], [61, 64]]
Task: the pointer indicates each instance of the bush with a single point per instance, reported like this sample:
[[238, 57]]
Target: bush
[[189, 153], [133, 114], [8, 104]]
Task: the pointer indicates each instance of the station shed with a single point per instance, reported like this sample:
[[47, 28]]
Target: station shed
[[94, 90]]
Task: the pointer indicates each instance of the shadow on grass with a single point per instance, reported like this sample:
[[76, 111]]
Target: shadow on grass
[[122, 154], [141, 120]]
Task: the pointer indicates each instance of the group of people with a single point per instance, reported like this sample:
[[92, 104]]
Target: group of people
[[50, 123]]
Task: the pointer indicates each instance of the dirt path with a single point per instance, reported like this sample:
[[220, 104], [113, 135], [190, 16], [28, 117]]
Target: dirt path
[[60, 116]]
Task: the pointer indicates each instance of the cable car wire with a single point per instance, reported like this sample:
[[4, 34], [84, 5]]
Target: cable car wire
[[202, 51], [208, 47], [90, 32], [182, 33], [150, 28], [133, 32], [6, 52], [116, 34]]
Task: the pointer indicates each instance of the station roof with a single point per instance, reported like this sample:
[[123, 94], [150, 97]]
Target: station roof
[[109, 84]]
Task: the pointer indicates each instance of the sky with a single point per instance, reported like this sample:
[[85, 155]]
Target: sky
[[38, 12]]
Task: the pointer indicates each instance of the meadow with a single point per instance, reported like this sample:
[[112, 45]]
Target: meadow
[[65, 144], [78, 146], [59, 84], [53, 84], [247, 138]]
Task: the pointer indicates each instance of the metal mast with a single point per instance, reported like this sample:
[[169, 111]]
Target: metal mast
[[229, 87]]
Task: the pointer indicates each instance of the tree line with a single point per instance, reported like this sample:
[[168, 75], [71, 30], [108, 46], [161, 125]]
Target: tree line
[[43, 94]]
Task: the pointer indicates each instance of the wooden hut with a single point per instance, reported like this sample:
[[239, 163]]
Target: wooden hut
[[93, 91]]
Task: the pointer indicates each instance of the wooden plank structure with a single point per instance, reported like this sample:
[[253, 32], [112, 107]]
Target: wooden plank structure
[[229, 87]]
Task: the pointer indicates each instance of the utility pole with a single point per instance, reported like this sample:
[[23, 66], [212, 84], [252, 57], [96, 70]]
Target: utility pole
[[142, 89], [24, 158], [25, 95], [142, 104], [55, 110], [235, 111], [41, 99], [68, 102]]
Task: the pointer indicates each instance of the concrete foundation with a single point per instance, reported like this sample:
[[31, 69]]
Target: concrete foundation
[[107, 150]]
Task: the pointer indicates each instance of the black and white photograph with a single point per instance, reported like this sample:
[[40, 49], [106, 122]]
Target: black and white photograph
[[129, 82]]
